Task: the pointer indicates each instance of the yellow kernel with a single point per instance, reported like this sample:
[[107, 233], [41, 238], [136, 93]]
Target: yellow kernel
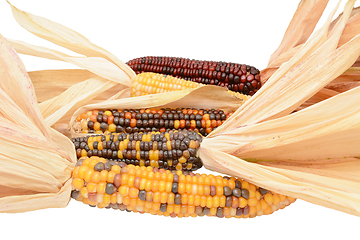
[[222, 201], [264, 205], [113, 198], [86, 161], [100, 146], [169, 176], [116, 169], [101, 187], [112, 127], [216, 201], [188, 188], [268, 197], [91, 187], [171, 198], [131, 181], [120, 154], [78, 183], [103, 175], [276, 199], [150, 175], [110, 177], [97, 126], [168, 145], [84, 192], [252, 202], [182, 159], [170, 208], [207, 190], [156, 197], [168, 187], [155, 185], [124, 178], [124, 191], [209, 202], [163, 197], [197, 200], [242, 202], [176, 124], [133, 192], [126, 201], [106, 199], [142, 184], [245, 185], [107, 113], [82, 170], [213, 211], [219, 190], [200, 189], [162, 185], [157, 176]]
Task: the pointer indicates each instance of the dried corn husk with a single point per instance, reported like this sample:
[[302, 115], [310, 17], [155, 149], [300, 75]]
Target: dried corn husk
[[299, 31], [297, 154], [35, 160], [111, 78]]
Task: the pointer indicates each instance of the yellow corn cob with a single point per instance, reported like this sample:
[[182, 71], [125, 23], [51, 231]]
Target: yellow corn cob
[[151, 83], [107, 184]]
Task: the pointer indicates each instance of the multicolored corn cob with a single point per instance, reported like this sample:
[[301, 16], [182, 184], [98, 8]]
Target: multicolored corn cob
[[151, 83], [147, 120], [173, 150], [108, 184], [236, 77]]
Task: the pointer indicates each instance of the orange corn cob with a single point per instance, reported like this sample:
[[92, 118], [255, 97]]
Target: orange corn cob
[[108, 184]]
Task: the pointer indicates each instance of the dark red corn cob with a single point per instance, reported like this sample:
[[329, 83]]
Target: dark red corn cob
[[236, 77]]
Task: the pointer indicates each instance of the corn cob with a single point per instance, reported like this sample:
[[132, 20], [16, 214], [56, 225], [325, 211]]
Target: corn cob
[[150, 83], [147, 120], [236, 77], [173, 150], [108, 184]]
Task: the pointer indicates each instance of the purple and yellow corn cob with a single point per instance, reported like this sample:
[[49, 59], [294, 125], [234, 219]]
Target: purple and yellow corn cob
[[236, 77]]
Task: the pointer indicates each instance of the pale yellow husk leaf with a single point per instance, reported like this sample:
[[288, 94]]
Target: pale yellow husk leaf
[[97, 65], [303, 23], [35, 160], [291, 43], [61, 80]]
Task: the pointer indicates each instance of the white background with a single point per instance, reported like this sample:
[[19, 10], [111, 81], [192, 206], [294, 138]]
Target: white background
[[234, 31]]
